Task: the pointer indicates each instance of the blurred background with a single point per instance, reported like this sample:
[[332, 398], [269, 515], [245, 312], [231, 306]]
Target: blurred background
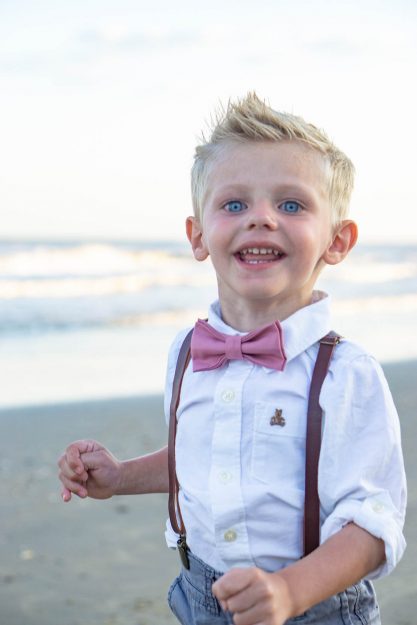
[[101, 106]]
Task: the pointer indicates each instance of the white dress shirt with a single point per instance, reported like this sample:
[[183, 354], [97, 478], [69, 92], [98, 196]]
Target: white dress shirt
[[242, 479]]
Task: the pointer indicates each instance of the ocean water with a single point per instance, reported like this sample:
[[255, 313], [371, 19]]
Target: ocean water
[[83, 320]]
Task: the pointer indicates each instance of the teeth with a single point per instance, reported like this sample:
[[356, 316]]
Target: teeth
[[260, 250]]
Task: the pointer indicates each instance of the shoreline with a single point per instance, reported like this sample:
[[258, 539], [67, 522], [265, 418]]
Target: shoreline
[[106, 563]]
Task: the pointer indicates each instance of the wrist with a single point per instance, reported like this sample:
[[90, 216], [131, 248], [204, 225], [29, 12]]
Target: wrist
[[287, 594], [121, 478]]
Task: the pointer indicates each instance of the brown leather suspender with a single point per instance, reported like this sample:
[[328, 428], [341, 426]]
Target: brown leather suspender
[[182, 363], [313, 443]]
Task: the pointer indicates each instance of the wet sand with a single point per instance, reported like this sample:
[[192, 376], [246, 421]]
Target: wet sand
[[106, 563]]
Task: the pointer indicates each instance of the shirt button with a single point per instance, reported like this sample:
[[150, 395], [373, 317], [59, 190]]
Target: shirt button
[[228, 396], [230, 536], [378, 507], [225, 477]]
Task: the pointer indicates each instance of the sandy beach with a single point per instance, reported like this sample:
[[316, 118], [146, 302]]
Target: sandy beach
[[106, 563]]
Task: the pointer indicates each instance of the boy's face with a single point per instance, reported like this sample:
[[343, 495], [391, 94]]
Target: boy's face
[[266, 225]]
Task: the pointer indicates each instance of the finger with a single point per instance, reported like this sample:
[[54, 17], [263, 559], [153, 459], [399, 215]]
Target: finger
[[75, 451], [224, 606], [70, 463], [93, 459], [257, 615], [73, 487], [73, 456], [231, 583], [66, 494], [243, 601], [70, 473]]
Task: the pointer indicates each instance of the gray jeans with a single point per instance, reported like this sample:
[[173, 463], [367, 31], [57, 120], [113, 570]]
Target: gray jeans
[[191, 600]]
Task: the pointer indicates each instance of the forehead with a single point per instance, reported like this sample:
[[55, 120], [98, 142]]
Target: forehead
[[290, 164]]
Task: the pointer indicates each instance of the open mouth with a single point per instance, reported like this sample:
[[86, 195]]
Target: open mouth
[[259, 255]]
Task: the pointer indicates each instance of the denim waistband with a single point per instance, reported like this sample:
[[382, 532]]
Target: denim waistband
[[192, 601]]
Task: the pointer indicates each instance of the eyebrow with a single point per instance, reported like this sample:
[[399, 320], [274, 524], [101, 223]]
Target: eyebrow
[[289, 189]]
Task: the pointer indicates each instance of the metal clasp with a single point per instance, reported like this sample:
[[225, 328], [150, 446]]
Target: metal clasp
[[334, 340], [183, 551]]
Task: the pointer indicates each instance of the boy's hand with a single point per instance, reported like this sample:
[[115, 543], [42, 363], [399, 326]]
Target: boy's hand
[[89, 470], [254, 597]]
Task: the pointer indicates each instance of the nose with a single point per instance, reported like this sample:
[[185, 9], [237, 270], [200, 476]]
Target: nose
[[262, 214]]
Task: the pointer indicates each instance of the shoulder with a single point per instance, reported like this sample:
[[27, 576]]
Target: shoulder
[[357, 383], [176, 344], [349, 356], [173, 353], [348, 359]]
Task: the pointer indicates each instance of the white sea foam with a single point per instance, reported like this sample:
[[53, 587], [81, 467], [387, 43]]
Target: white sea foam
[[84, 320], [42, 260], [388, 305], [97, 286], [374, 273]]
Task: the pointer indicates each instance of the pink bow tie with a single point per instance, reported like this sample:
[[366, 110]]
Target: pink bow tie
[[210, 349]]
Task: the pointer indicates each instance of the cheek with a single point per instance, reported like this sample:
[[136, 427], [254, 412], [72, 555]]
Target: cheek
[[213, 237]]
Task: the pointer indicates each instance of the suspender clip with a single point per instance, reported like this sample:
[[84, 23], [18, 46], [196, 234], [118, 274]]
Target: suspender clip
[[183, 551], [331, 339]]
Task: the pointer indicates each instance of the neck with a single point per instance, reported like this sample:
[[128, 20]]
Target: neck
[[247, 316]]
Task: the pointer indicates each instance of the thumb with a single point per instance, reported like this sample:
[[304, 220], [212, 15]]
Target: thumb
[[94, 459], [76, 451]]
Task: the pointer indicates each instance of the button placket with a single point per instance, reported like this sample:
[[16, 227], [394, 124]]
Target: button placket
[[225, 477], [230, 536], [228, 395], [225, 487]]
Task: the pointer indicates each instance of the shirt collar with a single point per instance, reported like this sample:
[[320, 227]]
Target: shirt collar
[[300, 330], [307, 325]]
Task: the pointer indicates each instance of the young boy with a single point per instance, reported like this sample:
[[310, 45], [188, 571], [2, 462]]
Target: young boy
[[270, 194]]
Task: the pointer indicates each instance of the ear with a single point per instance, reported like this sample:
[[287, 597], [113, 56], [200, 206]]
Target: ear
[[344, 238], [195, 236]]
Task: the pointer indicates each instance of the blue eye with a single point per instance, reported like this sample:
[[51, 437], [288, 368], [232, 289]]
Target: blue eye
[[235, 206], [290, 207]]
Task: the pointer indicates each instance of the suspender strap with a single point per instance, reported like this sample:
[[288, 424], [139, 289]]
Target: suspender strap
[[313, 443], [173, 506]]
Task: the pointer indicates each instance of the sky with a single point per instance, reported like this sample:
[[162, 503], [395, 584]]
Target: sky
[[102, 103]]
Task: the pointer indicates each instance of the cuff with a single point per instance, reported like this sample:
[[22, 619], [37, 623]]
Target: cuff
[[378, 516]]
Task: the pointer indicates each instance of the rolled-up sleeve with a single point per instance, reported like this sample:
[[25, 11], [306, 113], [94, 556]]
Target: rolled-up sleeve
[[361, 471]]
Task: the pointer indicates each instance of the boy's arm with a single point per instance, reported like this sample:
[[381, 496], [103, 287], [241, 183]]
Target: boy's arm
[[271, 598], [344, 559], [146, 474], [90, 470]]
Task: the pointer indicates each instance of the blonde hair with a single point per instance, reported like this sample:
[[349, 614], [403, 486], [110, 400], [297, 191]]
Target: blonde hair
[[251, 119]]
